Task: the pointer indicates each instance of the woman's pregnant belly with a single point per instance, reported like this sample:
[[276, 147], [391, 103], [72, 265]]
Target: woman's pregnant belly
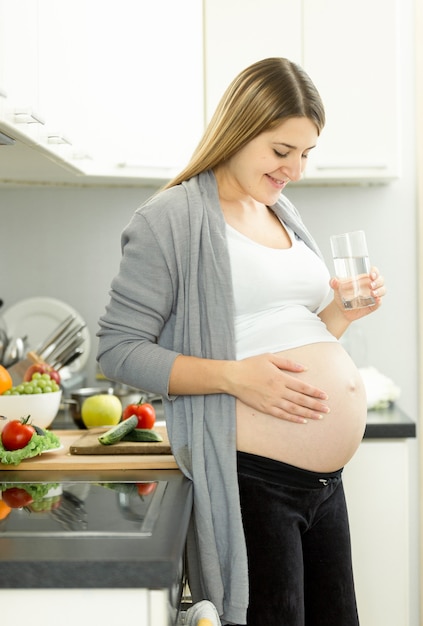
[[319, 445]]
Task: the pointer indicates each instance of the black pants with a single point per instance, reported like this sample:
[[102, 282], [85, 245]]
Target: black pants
[[298, 545]]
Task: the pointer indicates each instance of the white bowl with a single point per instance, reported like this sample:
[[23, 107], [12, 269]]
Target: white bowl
[[41, 407]]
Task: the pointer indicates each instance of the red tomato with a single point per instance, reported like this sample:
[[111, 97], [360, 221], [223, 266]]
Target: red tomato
[[16, 498], [16, 434], [146, 414], [144, 489]]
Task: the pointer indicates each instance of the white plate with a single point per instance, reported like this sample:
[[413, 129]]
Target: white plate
[[37, 318]]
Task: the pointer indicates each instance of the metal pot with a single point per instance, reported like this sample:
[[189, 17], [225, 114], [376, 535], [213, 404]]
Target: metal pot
[[129, 395], [77, 398]]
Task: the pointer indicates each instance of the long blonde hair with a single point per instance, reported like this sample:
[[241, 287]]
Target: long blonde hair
[[259, 98]]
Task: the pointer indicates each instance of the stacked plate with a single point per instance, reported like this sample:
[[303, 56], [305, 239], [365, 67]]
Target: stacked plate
[[54, 330]]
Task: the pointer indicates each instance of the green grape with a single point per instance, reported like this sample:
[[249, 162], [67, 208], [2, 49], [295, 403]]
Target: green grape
[[40, 383]]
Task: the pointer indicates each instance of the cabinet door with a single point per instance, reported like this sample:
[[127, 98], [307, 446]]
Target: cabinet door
[[123, 79], [377, 490], [68, 607], [351, 53], [19, 50], [18, 66], [239, 32]]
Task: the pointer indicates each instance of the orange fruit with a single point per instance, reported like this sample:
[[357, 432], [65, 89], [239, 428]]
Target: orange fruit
[[5, 380], [4, 510]]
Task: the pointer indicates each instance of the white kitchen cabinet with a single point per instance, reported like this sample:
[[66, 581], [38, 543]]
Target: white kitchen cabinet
[[19, 39], [107, 607], [124, 86], [376, 484], [124, 80], [119, 84], [351, 52], [19, 51], [240, 32]]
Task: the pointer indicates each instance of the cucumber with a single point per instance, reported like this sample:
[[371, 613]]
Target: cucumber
[[117, 433], [143, 434], [120, 487]]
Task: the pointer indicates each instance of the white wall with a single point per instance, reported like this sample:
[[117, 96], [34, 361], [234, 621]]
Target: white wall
[[63, 243]]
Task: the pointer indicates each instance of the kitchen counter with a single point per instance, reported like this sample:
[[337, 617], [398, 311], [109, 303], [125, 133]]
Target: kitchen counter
[[115, 523], [117, 558], [386, 423], [390, 423], [127, 547], [120, 525], [145, 559], [70, 553]]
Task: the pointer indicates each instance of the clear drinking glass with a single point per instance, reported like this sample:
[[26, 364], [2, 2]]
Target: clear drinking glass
[[352, 267]]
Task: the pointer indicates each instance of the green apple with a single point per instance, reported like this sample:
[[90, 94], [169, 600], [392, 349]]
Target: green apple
[[101, 410]]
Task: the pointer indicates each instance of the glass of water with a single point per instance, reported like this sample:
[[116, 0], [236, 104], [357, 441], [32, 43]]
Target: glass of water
[[352, 267]]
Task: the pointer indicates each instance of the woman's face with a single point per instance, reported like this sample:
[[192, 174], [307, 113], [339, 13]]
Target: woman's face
[[264, 166]]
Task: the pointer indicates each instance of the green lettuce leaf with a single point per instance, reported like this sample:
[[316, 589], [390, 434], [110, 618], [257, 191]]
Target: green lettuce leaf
[[36, 490], [37, 445]]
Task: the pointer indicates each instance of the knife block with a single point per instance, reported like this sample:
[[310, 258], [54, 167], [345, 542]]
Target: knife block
[[17, 371]]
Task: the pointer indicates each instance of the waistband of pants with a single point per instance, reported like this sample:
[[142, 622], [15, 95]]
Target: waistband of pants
[[281, 473]]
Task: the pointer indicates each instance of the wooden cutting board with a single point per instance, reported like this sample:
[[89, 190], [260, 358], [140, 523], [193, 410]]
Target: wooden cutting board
[[88, 443], [63, 460]]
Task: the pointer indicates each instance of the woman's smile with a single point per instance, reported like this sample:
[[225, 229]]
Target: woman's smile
[[279, 184]]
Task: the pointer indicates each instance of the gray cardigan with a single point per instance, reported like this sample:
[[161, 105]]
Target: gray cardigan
[[173, 295]]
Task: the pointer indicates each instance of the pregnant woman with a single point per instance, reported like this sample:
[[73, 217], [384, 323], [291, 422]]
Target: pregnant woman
[[223, 304]]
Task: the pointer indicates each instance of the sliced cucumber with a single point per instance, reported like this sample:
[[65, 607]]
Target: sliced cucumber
[[118, 432], [143, 434]]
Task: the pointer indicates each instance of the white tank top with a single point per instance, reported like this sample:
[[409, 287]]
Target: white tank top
[[278, 293]]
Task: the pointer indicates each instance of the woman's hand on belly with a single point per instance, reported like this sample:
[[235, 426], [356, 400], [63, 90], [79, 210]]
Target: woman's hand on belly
[[264, 383], [323, 445]]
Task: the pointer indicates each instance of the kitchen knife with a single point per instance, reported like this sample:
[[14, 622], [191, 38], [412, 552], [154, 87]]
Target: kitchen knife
[[55, 335], [59, 357], [75, 355], [64, 341]]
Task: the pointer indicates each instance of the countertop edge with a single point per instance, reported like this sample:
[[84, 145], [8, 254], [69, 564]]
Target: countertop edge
[[389, 423]]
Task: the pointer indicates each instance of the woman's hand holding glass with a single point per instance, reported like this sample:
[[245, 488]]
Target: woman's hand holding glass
[[378, 290]]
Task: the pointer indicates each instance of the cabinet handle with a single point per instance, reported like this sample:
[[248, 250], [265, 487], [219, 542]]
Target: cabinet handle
[[361, 166], [58, 138], [26, 115]]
